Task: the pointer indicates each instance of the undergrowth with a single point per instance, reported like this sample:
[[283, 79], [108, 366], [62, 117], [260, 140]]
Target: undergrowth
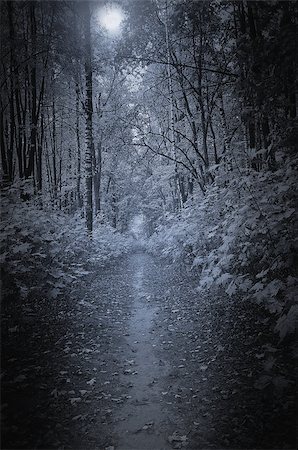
[[241, 238], [44, 251]]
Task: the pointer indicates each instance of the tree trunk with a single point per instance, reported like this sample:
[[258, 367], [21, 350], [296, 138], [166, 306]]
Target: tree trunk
[[33, 125], [97, 180], [39, 158], [3, 146], [88, 116], [54, 178], [12, 126], [79, 151]]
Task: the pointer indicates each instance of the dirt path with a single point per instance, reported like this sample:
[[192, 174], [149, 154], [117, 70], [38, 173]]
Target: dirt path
[[134, 358], [142, 423]]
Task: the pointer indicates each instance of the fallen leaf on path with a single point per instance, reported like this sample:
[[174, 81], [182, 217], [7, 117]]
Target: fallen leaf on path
[[148, 425], [75, 400], [75, 418], [175, 439], [13, 329], [20, 378]]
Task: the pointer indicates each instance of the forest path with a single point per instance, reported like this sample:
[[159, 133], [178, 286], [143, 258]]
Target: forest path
[[188, 363], [135, 358], [88, 370], [142, 422]]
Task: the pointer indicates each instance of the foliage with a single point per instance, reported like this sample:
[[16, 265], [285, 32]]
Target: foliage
[[44, 251], [241, 238]]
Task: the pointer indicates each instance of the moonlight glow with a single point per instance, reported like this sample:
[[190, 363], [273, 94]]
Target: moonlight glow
[[110, 17]]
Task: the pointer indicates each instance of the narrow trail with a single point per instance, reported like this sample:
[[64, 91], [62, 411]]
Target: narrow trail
[[141, 422]]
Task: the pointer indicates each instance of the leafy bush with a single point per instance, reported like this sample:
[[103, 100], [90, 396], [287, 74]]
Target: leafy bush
[[241, 237], [45, 250]]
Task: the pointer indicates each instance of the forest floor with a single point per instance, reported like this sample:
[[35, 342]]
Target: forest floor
[[133, 357]]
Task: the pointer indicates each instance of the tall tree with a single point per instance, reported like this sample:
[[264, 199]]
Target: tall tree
[[88, 116]]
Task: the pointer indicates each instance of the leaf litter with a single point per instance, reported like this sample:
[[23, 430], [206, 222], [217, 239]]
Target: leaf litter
[[213, 353]]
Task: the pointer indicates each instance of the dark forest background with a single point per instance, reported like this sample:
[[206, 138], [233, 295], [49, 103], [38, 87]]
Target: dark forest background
[[187, 118]]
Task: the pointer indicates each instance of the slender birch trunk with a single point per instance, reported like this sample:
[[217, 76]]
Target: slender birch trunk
[[88, 116]]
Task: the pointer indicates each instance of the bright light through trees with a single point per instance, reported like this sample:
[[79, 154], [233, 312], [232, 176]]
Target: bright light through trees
[[110, 17]]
